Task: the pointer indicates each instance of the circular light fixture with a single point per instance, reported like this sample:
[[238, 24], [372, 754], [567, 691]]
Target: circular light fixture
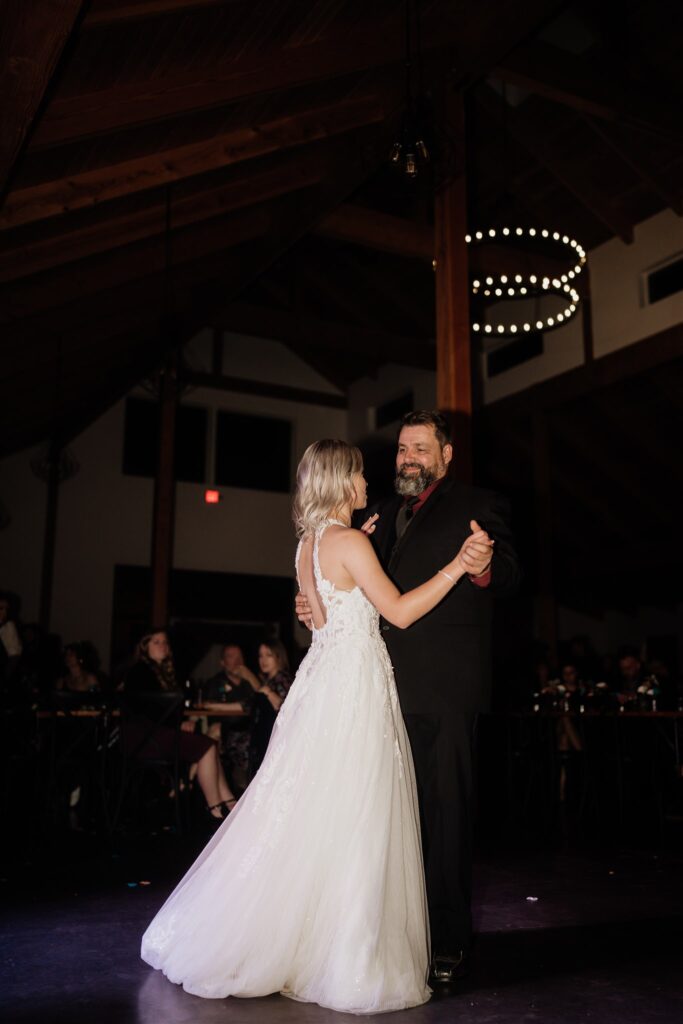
[[519, 286]]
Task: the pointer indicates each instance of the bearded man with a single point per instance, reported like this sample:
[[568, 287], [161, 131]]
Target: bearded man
[[442, 662]]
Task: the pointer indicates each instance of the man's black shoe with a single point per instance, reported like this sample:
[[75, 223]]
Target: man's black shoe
[[448, 967]]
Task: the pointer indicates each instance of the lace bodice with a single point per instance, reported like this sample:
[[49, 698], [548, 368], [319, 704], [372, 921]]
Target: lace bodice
[[348, 612]]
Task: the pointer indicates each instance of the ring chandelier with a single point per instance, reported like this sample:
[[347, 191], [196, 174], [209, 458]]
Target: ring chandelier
[[529, 286]]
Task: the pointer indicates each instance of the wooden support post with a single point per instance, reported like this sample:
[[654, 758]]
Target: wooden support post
[[547, 605], [51, 505], [217, 352], [453, 358], [587, 317], [164, 492]]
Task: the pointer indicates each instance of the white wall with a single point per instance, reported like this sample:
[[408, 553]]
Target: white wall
[[105, 517], [620, 313]]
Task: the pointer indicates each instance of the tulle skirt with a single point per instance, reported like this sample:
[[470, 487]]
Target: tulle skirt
[[314, 885]]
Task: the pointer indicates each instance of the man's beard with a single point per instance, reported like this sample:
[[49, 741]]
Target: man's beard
[[412, 484]]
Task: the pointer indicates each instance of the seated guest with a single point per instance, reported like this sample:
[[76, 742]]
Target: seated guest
[[10, 642], [152, 732], [630, 673], [272, 687], [230, 690], [79, 670]]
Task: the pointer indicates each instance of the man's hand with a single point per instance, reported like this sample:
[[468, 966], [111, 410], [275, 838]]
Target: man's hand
[[477, 551], [369, 524], [303, 611]]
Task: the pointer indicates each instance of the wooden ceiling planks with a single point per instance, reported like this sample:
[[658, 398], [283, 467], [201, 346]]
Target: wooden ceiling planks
[[145, 79]]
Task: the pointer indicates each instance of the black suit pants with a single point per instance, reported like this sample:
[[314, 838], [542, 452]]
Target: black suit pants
[[442, 746]]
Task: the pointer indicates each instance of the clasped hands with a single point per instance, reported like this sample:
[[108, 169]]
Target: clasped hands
[[476, 553]]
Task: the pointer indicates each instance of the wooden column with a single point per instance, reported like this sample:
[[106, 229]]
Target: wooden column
[[51, 505], [453, 354], [547, 604], [587, 317], [164, 492]]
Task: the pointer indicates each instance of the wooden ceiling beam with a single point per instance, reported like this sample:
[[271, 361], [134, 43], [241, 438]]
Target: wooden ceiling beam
[[89, 188], [282, 325], [117, 13], [625, 150], [628, 362], [265, 389], [547, 71], [359, 225], [383, 232], [293, 173], [195, 246], [376, 44], [531, 134], [34, 34]]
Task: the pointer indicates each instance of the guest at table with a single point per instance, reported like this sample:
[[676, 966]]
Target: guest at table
[[79, 675], [272, 686], [10, 641], [150, 732], [630, 674], [230, 691]]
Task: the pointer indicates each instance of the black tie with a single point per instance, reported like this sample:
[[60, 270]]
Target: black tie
[[405, 514]]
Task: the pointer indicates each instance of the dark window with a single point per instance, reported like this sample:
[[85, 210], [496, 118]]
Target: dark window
[[391, 412], [665, 282], [516, 352], [141, 440], [253, 452]]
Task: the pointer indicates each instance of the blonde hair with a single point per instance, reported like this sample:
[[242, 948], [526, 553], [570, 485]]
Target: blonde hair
[[324, 483]]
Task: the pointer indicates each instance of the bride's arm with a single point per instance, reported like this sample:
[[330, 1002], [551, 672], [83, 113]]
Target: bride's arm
[[361, 562]]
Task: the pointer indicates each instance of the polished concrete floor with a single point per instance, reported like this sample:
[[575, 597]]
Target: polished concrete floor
[[562, 937]]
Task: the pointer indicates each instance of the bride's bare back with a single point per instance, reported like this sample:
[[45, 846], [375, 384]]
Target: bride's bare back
[[329, 558]]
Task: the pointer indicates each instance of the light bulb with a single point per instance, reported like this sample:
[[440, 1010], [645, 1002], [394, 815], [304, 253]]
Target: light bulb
[[501, 329], [539, 324]]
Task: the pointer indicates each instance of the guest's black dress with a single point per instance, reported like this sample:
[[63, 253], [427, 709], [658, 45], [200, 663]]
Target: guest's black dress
[[152, 719], [263, 717], [235, 732]]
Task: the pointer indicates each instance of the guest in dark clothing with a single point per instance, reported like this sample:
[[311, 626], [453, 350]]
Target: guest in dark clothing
[[631, 674], [272, 688], [79, 674], [153, 725], [229, 690]]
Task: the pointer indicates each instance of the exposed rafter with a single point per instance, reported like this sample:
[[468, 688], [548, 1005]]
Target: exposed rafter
[[34, 34], [281, 325], [376, 44], [89, 188], [605, 94], [530, 133]]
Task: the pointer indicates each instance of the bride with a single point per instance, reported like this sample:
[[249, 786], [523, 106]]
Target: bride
[[313, 886]]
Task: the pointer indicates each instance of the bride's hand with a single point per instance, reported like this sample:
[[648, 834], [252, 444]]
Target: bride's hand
[[368, 526]]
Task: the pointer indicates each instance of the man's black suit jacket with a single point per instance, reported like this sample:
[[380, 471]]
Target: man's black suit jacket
[[442, 662]]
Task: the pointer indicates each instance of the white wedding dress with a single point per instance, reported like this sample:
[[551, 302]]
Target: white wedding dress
[[314, 885]]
